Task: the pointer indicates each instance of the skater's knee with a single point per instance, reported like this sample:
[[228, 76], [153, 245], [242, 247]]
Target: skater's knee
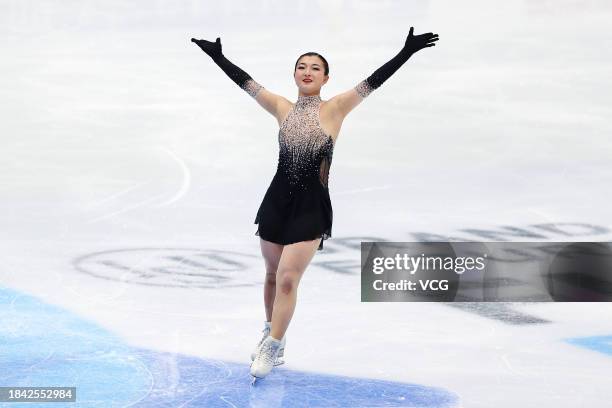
[[287, 285], [288, 281]]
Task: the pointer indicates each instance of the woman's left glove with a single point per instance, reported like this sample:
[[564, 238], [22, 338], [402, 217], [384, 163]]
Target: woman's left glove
[[413, 44]]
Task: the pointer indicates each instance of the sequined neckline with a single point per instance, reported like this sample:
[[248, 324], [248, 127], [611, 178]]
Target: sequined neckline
[[304, 100]]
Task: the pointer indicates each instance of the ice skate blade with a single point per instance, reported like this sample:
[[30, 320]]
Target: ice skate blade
[[253, 380]]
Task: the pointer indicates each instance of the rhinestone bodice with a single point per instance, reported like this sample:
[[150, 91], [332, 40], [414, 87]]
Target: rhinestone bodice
[[305, 151]]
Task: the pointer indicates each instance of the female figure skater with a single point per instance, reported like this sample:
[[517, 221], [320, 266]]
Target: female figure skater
[[295, 216]]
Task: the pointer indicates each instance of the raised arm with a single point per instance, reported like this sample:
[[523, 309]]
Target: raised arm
[[347, 101], [269, 101]]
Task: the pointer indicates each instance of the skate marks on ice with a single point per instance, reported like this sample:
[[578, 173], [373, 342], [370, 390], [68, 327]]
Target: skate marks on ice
[[287, 388], [44, 345]]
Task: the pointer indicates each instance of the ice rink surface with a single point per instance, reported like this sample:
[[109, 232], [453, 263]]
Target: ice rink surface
[[133, 170]]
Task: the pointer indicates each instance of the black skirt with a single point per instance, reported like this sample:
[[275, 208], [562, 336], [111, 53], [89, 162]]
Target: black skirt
[[288, 215]]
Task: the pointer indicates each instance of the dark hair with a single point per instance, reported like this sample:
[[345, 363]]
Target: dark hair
[[313, 54]]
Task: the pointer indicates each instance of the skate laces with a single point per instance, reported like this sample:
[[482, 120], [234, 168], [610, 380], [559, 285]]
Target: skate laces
[[267, 352], [265, 332]]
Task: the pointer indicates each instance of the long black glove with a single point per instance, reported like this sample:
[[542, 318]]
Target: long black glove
[[241, 78], [413, 44]]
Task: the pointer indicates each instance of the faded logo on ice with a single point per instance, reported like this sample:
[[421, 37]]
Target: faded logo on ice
[[173, 267]]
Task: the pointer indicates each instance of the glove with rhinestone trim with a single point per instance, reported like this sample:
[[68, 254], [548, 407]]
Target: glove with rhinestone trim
[[241, 78], [413, 44]]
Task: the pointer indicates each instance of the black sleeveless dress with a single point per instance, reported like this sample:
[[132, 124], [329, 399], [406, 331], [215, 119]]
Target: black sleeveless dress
[[297, 206]]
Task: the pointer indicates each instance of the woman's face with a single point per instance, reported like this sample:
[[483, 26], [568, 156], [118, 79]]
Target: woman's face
[[310, 75]]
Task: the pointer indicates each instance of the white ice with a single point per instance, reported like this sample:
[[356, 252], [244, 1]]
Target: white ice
[[118, 133]]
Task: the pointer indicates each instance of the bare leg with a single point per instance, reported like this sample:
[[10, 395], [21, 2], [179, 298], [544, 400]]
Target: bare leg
[[293, 263], [271, 253]]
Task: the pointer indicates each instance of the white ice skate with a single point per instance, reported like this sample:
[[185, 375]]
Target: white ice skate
[[266, 332], [266, 356]]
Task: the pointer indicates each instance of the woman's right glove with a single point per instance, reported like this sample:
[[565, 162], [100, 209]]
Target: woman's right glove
[[241, 78], [213, 49]]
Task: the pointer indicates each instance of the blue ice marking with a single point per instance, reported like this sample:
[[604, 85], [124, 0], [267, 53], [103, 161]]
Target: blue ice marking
[[44, 345], [603, 344]]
